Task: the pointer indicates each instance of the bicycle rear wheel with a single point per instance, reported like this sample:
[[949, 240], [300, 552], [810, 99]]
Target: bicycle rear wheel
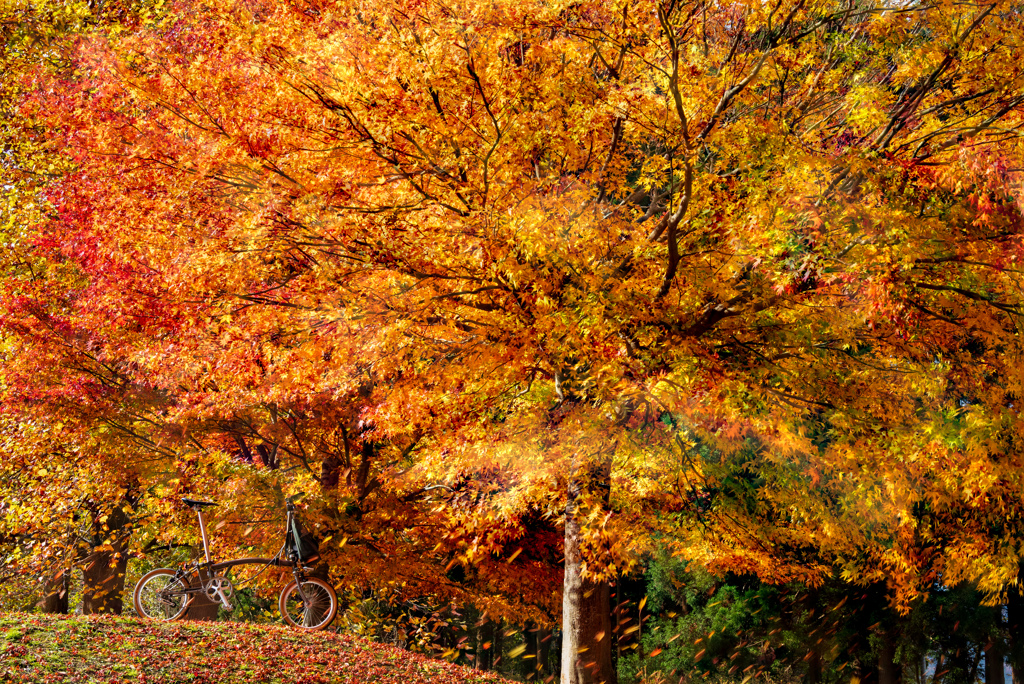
[[161, 595], [313, 608]]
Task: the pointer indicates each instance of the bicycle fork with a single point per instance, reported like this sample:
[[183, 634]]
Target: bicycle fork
[[300, 579]]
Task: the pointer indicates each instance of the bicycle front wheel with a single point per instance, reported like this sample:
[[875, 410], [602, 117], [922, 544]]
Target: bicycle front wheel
[[161, 595], [312, 608]]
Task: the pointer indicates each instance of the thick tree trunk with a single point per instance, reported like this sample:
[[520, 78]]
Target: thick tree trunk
[[538, 640], [498, 649], [813, 675], [202, 609], [889, 671], [55, 593], [330, 473], [586, 636], [543, 650], [530, 638], [104, 569], [814, 648], [586, 610], [994, 664], [1015, 633], [484, 645]]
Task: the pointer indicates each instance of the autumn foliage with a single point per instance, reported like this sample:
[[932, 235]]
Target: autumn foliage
[[508, 281]]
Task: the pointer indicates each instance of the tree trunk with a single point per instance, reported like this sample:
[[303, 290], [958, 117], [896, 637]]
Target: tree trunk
[[586, 607], [1015, 633], [202, 608], [104, 568], [813, 675], [543, 650], [484, 644], [55, 592], [499, 644], [530, 640], [889, 671], [586, 636], [538, 640], [994, 664], [330, 473], [814, 640]]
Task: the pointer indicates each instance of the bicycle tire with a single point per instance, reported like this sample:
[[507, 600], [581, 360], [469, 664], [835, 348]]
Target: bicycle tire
[[320, 611], [158, 595]]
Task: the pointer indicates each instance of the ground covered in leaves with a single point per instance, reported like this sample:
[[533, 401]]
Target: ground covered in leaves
[[110, 650]]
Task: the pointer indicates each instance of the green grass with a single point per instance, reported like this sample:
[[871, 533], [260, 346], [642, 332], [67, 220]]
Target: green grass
[[114, 650]]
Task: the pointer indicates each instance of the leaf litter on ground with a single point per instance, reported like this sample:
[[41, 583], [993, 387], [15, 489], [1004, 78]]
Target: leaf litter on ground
[[62, 649]]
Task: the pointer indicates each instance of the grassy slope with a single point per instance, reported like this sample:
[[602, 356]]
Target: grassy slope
[[108, 650]]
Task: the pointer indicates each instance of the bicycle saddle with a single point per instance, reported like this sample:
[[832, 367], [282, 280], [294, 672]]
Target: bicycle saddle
[[197, 504]]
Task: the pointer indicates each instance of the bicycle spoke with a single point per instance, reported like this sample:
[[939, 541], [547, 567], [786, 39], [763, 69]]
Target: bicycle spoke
[[161, 596], [309, 606]]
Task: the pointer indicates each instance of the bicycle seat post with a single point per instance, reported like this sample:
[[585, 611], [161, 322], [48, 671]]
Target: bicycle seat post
[[202, 531], [198, 507]]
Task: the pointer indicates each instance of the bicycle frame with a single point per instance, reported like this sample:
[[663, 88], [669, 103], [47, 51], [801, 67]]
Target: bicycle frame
[[209, 569]]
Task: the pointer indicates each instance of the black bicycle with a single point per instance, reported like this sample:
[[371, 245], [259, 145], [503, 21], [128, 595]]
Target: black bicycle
[[305, 602]]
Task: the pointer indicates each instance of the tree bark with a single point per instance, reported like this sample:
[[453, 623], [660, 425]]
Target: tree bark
[[814, 664], [55, 592], [889, 671], [498, 649], [1015, 633], [104, 568], [543, 650], [484, 645], [586, 604], [813, 675], [330, 473], [202, 609], [530, 638], [538, 640], [995, 652], [994, 664]]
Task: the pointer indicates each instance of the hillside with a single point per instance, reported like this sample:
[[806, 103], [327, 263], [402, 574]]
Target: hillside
[[109, 650]]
